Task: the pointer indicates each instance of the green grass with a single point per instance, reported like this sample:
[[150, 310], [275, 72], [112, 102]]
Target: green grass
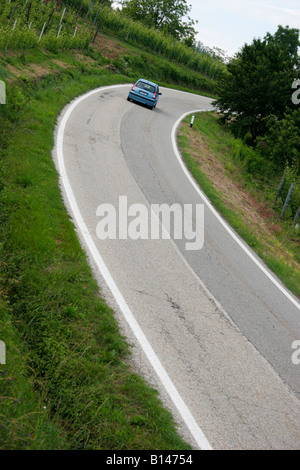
[[132, 62], [257, 177], [24, 419], [66, 383]]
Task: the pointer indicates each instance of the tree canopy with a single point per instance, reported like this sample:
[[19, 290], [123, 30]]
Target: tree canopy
[[259, 81], [169, 16]]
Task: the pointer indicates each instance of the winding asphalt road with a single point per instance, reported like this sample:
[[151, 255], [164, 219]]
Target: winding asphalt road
[[212, 329]]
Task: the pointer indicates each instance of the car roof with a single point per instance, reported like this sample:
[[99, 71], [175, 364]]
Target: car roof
[[146, 81]]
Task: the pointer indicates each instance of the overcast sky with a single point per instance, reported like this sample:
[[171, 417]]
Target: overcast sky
[[229, 24]]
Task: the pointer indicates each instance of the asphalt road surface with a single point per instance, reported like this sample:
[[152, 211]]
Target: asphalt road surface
[[211, 328]]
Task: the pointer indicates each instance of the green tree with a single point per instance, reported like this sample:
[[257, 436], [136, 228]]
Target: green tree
[[169, 16], [283, 139], [259, 81]]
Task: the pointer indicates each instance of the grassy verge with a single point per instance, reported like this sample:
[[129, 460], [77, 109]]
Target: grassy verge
[[242, 187], [66, 383], [113, 55]]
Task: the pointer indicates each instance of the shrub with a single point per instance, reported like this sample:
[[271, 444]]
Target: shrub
[[292, 176], [283, 139]]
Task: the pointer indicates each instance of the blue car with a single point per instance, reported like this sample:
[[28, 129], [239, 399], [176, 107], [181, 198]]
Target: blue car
[[144, 92]]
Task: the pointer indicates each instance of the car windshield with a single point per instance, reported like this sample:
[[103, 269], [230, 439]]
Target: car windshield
[[146, 86]]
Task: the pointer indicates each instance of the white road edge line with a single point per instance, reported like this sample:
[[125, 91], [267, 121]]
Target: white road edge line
[[182, 408], [213, 210]]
